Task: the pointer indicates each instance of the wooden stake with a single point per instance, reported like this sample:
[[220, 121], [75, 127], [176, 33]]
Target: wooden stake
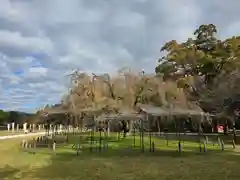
[[233, 144], [54, 147], [205, 146], [142, 139]]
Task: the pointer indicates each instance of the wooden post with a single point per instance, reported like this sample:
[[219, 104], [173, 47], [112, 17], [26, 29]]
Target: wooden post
[[134, 134], [13, 127], [205, 146], [158, 126], [200, 147], [150, 133], [167, 137], [179, 136], [17, 127], [153, 146], [77, 128], [219, 141], [91, 139], [233, 144], [26, 144], [54, 147], [199, 132], [108, 128], [100, 141], [78, 149], [34, 143], [142, 134], [130, 127], [23, 143], [179, 147], [120, 125], [8, 127], [94, 131], [105, 143], [33, 127], [82, 123], [150, 141], [206, 138], [222, 145]]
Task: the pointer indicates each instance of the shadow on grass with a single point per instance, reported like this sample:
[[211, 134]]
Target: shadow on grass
[[125, 148], [127, 144], [8, 172], [66, 165], [194, 138], [133, 153]]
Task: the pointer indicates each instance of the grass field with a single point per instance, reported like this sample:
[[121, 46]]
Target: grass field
[[6, 133], [118, 162]]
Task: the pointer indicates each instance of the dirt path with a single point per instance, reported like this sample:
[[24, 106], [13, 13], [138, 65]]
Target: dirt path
[[24, 135], [21, 135]]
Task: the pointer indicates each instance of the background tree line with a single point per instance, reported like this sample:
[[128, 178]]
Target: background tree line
[[14, 116]]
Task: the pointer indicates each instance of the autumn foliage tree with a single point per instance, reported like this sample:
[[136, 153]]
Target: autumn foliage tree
[[207, 68], [123, 91]]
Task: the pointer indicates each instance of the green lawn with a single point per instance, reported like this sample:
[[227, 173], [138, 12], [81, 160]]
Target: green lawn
[[6, 133], [119, 162]]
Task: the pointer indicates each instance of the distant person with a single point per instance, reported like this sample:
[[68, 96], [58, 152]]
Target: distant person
[[124, 128]]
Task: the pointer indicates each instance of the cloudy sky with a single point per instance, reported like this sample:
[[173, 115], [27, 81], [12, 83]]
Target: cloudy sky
[[43, 40]]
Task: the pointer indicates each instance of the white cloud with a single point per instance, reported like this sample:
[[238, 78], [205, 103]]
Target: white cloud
[[31, 44], [233, 29], [42, 41], [7, 11], [40, 71], [122, 19], [70, 13]]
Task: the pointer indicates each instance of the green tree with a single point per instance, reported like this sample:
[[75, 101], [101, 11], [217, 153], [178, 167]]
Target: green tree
[[204, 56], [4, 116], [207, 68]]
